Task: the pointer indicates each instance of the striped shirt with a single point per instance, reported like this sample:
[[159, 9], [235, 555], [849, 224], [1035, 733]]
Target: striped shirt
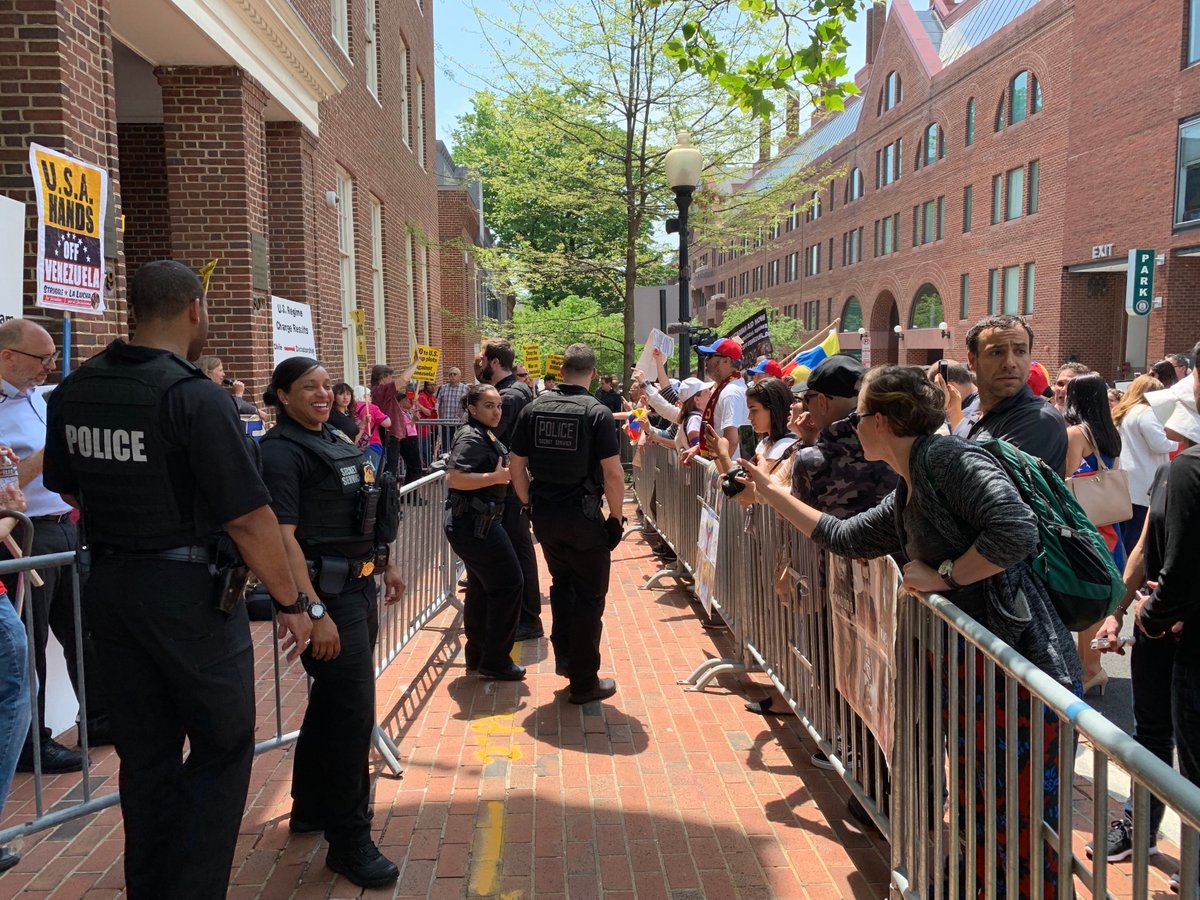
[[450, 401]]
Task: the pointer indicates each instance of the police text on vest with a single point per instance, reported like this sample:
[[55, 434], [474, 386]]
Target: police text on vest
[[106, 443]]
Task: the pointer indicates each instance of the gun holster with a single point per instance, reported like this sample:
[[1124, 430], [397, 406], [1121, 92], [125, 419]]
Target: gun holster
[[591, 507]]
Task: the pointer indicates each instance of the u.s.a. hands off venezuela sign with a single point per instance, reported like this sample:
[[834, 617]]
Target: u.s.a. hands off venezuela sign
[[71, 200]]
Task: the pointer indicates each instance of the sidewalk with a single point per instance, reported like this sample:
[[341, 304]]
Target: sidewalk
[[510, 791]]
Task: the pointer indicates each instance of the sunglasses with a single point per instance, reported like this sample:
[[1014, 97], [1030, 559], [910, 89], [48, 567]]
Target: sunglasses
[[854, 418]]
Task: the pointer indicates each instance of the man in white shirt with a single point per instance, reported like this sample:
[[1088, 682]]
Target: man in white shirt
[[27, 357], [729, 412]]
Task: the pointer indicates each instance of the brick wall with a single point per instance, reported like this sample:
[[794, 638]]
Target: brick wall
[[143, 170], [458, 229]]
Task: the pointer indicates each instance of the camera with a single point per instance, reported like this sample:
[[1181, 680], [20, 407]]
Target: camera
[[730, 486]]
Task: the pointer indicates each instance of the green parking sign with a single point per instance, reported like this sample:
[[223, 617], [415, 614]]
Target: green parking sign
[[1139, 283]]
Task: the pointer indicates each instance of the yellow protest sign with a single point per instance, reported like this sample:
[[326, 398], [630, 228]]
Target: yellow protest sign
[[427, 359], [358, 317], [71, 200], [206, 272], [533, 360], [554, 363]]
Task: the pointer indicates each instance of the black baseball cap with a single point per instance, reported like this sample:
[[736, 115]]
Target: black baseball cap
[[837, 376]]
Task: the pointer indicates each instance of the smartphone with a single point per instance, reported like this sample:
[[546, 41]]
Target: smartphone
[[943, 369], [1125, 640]]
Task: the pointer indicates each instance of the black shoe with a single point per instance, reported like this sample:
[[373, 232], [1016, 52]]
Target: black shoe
[[99, 734], [604, 689], [8, 858], [530, 633], [56, 759], [304, 826], [859, 814], [511, 672], [364, 866], [462, 582], [560, 668]]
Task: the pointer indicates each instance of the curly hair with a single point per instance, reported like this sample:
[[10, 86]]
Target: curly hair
[[775, 397], [912, 404]]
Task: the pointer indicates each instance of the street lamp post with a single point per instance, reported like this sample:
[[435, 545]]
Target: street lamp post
[[682, 165]]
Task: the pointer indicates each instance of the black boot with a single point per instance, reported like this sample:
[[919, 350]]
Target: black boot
[[365, 866]]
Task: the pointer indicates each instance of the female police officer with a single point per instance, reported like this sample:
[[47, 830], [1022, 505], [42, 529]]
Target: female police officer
[[325, 495], [477, 479]]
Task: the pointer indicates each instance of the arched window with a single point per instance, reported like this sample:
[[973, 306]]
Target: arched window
[[970, 122], [927, 310], [814, 208], [852, 317], [1023, 99], [931, 147], [892, 93], [855, 184]]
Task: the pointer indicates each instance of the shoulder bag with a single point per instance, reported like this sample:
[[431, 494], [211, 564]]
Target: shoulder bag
[[1103, 494]]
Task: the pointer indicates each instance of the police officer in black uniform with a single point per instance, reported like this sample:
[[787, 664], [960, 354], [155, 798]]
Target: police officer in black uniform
[[155, 455], [565, 457], [477, 478], [330, 504], [497, 370]]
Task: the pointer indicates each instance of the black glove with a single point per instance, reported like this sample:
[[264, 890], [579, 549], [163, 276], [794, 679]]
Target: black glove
[[613, 529]]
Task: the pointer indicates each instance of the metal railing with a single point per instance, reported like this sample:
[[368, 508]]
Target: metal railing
[[952, 800], [430, 571]]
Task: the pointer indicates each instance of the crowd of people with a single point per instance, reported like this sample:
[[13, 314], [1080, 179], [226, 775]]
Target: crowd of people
[[866, 462], [888, 461]]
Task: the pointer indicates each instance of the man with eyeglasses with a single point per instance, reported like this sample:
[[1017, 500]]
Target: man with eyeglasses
[[27, 357]]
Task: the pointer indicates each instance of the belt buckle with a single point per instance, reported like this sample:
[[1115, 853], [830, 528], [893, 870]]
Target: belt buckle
[[366, 569]]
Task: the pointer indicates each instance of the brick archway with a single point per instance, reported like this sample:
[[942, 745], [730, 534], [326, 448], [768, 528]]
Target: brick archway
[[882, 319]]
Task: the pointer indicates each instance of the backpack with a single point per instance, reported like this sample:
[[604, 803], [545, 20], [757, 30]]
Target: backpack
[[1073, 560]]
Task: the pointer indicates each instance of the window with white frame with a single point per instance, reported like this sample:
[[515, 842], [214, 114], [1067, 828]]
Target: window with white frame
[[340, 13], [380, 314], [411, 297], [405, 111], [427, 302], [371, 57], [420, 121], [345, 213]]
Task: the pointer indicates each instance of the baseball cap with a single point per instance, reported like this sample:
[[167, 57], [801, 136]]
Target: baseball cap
[[837, 376], [724, 347], [690, 387], [768, 367], [1039, 378]]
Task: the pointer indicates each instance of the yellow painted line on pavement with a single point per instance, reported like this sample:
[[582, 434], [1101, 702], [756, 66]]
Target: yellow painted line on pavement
[[486, 867], [486, 730]]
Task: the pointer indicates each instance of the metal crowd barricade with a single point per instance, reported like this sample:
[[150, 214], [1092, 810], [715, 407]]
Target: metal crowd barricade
[[430, 570], [772, 590]]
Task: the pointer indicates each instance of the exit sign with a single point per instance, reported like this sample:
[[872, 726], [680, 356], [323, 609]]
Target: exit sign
[[1139, 283]]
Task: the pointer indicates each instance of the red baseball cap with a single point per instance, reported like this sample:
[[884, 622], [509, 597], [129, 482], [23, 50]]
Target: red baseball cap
[[724, 347], [768, 367], [1039, 378]]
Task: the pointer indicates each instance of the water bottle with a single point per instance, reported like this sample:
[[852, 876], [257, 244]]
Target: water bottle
[[9, 476]]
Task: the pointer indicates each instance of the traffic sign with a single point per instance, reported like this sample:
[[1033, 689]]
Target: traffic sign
[[1139, 283]]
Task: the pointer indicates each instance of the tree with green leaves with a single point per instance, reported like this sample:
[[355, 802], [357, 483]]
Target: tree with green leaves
[[557, 324]]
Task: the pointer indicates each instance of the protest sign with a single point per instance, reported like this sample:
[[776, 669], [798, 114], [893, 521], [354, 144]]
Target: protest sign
[[533, 360], [427, 359], [656, 341], [12, 258], [706, 540], [755, 337], [554, 363], [71, 201], [293, 329]]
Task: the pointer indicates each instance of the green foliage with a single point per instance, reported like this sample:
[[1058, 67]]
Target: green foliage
[[811, 55], [786, 333], [928, 311], [557, 324]]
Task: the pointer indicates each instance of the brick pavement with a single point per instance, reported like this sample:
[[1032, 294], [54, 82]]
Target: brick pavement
[[511, 792]]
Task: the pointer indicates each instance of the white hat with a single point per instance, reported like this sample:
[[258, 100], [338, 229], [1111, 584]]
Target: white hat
[[690, 387], [1175, 407]]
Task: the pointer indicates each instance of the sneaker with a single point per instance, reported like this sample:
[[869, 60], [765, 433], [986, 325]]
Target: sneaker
[[821, 760], [364, 866], [10, 857], [1119, 842]]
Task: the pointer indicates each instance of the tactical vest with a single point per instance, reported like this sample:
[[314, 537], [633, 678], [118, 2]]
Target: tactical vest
[[492, 491], [561, 443], [337, 515], [119, 453]]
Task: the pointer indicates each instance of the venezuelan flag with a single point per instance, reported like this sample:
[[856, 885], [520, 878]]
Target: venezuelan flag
[[810, 359]]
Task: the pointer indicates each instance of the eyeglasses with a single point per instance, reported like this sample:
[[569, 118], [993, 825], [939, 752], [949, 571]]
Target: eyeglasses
[[854, 418], [49, 359], [808, 395]]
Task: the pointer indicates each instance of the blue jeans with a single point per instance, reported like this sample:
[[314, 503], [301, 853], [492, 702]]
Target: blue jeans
[[15, 713], [1151, 663]]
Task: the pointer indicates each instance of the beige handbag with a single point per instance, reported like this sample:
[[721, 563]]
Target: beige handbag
[[1103, 495]]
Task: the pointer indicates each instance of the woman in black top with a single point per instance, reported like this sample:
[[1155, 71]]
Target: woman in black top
[[477, 478], [322, 491], [341, 416]]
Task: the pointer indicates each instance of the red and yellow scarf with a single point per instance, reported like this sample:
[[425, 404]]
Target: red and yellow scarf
[[706, 417]]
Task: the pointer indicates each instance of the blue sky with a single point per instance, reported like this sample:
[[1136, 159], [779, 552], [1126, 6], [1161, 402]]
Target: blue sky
[[457, 36]]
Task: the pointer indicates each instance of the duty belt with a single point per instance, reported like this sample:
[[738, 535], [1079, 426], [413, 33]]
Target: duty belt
[[172, 554]]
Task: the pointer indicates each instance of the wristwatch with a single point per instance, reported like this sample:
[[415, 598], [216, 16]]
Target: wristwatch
[[316, 610], [301, 605], [382, 553], [946, 570]]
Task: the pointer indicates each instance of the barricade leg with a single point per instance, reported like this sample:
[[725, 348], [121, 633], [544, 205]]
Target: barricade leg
[[710, 669]]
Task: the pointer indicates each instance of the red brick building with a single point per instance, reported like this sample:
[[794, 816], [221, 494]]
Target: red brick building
[[1004, 156], [292, 140]]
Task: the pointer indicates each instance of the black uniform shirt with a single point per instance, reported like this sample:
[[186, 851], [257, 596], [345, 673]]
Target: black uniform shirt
[[475, 451], [201, 424], [604, 443], [514, 396]]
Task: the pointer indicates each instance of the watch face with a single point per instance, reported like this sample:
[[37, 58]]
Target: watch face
[[316, 610]]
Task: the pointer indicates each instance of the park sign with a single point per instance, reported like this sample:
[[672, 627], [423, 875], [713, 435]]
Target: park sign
[[1139, 283]]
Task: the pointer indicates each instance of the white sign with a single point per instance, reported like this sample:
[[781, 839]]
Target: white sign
[[866, 350], [656, 340], [293, 329], [12, 258], [1102, 251]]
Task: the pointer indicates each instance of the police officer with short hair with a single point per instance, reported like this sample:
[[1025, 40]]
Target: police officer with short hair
[[516, 394], [338, 520], [477, 481], [565, 457], [154, 454]]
